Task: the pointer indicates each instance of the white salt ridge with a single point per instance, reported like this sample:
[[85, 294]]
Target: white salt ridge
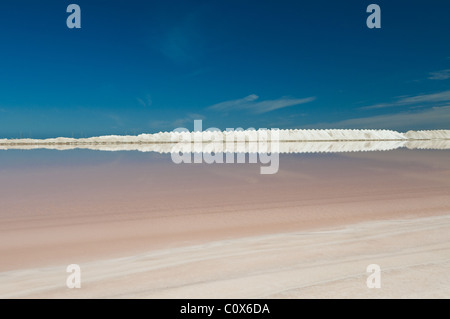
[[428, 135], [247, 135], [248, 141]]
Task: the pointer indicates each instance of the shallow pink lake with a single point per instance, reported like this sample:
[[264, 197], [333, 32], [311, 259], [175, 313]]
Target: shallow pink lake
[[64, 207]]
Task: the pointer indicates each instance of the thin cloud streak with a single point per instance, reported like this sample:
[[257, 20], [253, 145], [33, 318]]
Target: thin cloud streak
[[251, 104], [145, 102], [433, 118], [440, 75], [177, 123], [412, 100]]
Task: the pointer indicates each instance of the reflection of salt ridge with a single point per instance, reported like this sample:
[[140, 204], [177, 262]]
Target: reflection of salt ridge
[[429, 144], [252, 147], [249, 141]]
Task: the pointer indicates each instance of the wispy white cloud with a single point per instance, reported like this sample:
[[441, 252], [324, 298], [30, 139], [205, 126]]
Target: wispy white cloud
[[251, 104], [432, 118], [234, 104], [413, 100], [189, 118], [440, 75], [146, 101]]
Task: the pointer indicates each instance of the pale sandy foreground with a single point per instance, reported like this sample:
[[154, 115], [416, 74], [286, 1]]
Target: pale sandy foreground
[[414, 257], [147, 228]]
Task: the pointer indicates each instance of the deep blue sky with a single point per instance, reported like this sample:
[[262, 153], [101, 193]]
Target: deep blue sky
[[146, 66]]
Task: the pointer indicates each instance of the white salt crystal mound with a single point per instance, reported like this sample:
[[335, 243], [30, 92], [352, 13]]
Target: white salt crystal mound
[[251, 135], [428, 135], [339, 135], [284, 135]]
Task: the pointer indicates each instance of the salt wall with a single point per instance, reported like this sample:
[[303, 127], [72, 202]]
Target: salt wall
[[250, 141], [243, 136]]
